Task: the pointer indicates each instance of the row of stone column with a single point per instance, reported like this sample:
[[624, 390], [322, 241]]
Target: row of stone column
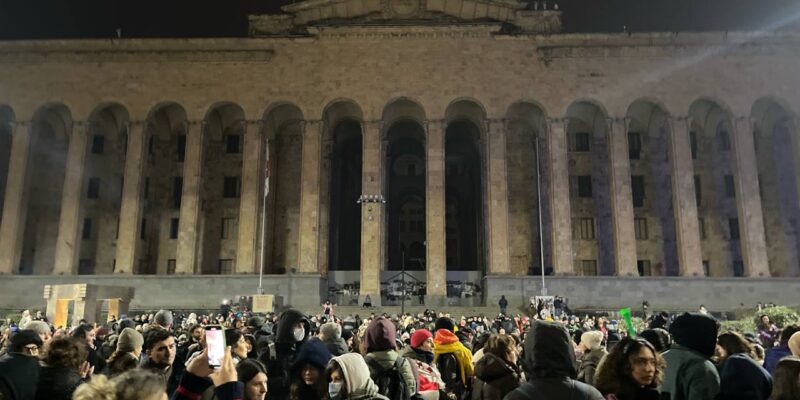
[[373, 229]]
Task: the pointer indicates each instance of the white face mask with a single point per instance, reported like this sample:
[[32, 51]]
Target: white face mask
[[299, 334], [334, 388]]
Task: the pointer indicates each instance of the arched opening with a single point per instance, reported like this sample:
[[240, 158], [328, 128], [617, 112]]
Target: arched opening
[[651, 189], [284, 127], [221, 185], [718, 221], [52, 127], [405, 180], [345, 219], [463, 198], [6, 119], [162, 189], [527, 247], [102, 194], [590, 190], [776, 153]]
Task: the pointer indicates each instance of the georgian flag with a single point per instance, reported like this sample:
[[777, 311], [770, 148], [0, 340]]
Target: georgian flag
[[266, 168]]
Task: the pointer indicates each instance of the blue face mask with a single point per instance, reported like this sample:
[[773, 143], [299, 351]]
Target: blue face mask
[[334, 388]]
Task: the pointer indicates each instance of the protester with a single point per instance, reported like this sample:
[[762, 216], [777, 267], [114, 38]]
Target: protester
[[87, 334], [658, 337], [420, 352], [253, 375], [591, 346], [740, 376], [632, 371], [195, 381], [239, 347], [775, 354], [308, 370], [163, 319], [786, 379], [689, 374], [503, 303], [453, 360], [331, 335], [64, 367], [19, 368], [126, 355], [767, 331], [136, 384], [42, 329], [384, 362], [496, 372], [293, 331], [160, 348], [348, 377], [550, 366]]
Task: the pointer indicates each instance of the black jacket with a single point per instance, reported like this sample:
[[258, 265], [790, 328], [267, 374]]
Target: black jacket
[[549, 363], [742, 378], [494, 378], [19, 375], [280, 357], [57, 383]]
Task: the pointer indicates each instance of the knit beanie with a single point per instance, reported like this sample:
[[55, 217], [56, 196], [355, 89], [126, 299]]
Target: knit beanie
[[444, 323], [419, 337], [592, 340], [129, 340], [23, 338], [658, 337], [794, 344]]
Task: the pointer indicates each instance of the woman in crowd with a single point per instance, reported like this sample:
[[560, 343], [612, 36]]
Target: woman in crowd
[[126, 355], [740, 375], [136, 384], [631, 371], [64, 367], [786, 384], [308, 369], [496, 372], [253, 376], [239, 347], [592, 349], [348, 377], [767, 331]]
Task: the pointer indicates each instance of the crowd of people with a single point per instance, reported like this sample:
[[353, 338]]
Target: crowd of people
[[293, 356]]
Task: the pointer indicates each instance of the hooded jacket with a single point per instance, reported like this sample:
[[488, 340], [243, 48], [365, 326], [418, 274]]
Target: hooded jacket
[[19, 374], [689, 374], [495, 378], [286, 348], [380, 343], [356, 375], [550, 366], [742, 378]]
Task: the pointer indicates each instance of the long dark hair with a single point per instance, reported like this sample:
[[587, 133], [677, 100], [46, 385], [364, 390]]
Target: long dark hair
[[785, 385], [614, 375], [300, 391], [734, 343]]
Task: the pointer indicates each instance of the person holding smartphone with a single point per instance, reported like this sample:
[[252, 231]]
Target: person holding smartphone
[[224, 378]]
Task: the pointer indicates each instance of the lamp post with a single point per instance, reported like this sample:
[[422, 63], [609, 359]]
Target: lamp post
[[539, 206]]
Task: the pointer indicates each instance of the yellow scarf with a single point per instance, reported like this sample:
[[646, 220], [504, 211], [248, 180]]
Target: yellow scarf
[[447, 342]]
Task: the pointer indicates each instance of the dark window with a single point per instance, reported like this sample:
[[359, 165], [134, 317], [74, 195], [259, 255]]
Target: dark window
[[637, 190], [707, 267], [733, 226], [143, 229], [730, 186], [724, 140], [181, 148], [698, 190], [87, 228], [93, 191], [177, 191], [225, 267], [640, 228], [582, 142], [644, 267], [151, 145], [738, 268], [693, 144], [584, 186], [701, 226], [233, 144], [634, 145], [411, 170], [588, 267], [173, 228], [85, 267], [98, 144], [231, 187]]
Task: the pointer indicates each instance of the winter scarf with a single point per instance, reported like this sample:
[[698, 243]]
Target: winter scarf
[[445, 342]]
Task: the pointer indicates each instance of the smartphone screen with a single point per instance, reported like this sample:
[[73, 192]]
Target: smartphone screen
[[215, 340]]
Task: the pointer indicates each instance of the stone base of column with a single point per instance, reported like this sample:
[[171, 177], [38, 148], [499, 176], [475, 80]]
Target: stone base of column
[[434, 301], [374, 299]]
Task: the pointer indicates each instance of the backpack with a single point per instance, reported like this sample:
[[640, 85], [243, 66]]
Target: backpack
[[448, 366], [390, 381]]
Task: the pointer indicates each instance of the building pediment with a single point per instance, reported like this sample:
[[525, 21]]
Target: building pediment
[[298, 17]]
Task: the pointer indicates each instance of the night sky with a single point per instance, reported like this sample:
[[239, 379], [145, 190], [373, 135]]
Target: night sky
[[39, 19]]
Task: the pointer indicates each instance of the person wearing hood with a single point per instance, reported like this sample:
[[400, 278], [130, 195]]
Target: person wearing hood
[[292, 332], [446, 348], [550, 366], [381, 347], [19, 368], [591, 346], [689, 374], [631, 371], [420, 353], [307, 372], [740, 376], [349, 379], [496, 373], [331, 335]]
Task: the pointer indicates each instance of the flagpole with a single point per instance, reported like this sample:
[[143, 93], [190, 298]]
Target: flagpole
[[264, 217]]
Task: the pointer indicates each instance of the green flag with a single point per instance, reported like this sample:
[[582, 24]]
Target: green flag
[[626, 315]]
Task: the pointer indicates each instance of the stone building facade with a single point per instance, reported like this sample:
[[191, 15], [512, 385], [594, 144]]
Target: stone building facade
[[433, 135]]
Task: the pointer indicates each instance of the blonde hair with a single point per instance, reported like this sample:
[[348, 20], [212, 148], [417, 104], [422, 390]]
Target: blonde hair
[[132, 385]]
